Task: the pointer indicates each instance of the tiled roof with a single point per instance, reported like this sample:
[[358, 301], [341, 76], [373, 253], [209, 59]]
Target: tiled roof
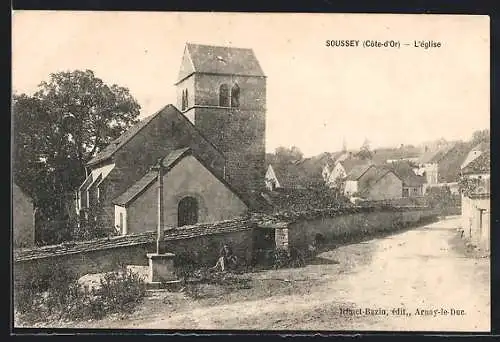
[[297, 199], [288, 174], [201, 229], [116, 144], [357, 171], [482, 146], [170, 113], [435, 155], [135, 190], [142, 184], [405, 172], [450, 164], [351, 163], [168, 163], [223, 60], [372, 176], [479, 165], [186, 232], [381, 155]]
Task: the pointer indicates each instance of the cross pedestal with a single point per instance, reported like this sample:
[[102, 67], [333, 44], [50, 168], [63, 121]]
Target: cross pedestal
[[161, 268]]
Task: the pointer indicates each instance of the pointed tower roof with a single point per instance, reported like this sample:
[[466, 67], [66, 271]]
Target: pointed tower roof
[[212, 59]]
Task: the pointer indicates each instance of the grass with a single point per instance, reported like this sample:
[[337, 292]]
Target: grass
[[59, 296]]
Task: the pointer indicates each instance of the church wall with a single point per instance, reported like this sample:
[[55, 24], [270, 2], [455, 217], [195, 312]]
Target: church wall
[[238, 132], [133, 160], [252, 90], [188, 84], [188, 178]]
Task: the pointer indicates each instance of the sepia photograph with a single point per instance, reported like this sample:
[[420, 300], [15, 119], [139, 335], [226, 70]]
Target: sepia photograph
[[250, 171]]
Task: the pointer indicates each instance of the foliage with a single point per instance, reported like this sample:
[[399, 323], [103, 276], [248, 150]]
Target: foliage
[[121, 290], [62, 297], [287, 155], [89, 225], [439, 197], [186, 264], [59, 129], [470, 185], [365, 152], [302, 200], [480, 136], [284, 258]]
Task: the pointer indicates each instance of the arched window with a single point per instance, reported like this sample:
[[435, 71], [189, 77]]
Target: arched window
[[187, 213], [187, 100], [224, 95], [235, 96], [184, 101]]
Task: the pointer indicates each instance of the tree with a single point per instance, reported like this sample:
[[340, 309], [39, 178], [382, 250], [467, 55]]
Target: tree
[[481, 136], [69, 119], [439, 197], [288, 155], [365, 152]]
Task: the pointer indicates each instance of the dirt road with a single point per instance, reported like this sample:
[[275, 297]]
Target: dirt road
[[414, 280]]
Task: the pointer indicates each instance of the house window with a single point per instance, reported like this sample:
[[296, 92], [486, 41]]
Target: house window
[[121, 222], [224, 95], [405, 192], [235, 96], [184, 100], [187, 211]]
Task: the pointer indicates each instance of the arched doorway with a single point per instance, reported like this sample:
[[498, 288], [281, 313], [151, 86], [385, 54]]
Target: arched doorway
[[187, 212]]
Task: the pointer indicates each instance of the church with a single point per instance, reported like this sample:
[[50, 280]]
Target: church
[[210, 148]]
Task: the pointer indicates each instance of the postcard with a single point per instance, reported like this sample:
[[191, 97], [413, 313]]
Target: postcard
[[251, 171]]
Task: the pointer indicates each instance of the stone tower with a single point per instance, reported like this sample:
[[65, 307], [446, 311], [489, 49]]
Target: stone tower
[[222, 91]]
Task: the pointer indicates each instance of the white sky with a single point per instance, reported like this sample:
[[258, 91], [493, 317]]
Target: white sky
[[316, 96]]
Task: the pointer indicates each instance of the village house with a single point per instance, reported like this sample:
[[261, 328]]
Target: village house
[[300, 174], [475, 152], [23, 223], [441, 166], [476, 201], [221, 94], [284, 176], [351, 185], [373, 182], [412, 184], [343, 167], [391, 155]]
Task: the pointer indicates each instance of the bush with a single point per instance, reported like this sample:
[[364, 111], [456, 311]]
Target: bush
[[63, 297], [52, 280], [90, 225], [121, 291], [186, 264], [284, 258]]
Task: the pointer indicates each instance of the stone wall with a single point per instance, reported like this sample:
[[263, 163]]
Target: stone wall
[[476, 217], [303, 232], [202, 242]]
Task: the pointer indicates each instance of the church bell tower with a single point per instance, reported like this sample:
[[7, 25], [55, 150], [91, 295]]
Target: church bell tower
[[222, 91]]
